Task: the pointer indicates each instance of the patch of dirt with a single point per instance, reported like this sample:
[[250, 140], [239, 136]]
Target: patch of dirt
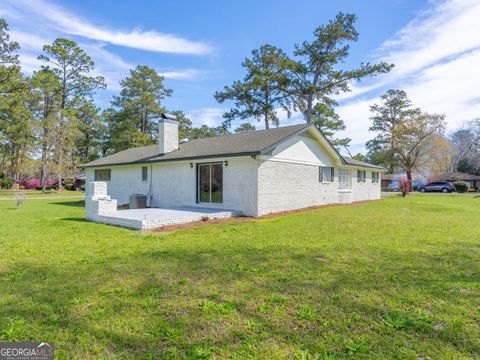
[[246, 219], [200, 223], [439, 326]]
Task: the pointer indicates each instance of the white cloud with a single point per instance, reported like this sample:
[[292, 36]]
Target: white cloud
[[186, 74], [356, 116], [211, 116], [54, 16], [107, 64], [436, 60], [112, 67], [29, 40], [450, 88], [448, 28]]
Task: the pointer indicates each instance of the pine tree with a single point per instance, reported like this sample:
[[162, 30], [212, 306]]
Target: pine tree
[[71, 65], [317, 78], [263, 90], [395, 109], [134, 114]]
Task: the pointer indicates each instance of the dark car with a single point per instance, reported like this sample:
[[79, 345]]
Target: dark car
[[443, 186]]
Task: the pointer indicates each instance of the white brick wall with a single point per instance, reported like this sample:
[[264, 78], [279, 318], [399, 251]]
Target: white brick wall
[[174, 184], [288, 186], [97, 202], [125, 180], [366, 190], [286, 179], [167, 135]]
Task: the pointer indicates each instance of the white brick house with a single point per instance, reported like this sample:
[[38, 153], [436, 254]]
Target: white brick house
[[252, 173]]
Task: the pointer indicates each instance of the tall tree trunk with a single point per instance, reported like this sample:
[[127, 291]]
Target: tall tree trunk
[[43, 172], [391, 166], [63, 106], [265, 118], [308, 108], [87, 148], [43, 175], [60, 154], [13, 162], [60, 172], [409, 180]]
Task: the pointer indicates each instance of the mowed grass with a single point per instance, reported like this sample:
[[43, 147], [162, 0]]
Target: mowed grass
[[5, 194], [392, 279]]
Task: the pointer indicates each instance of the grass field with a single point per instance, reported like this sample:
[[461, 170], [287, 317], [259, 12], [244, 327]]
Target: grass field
[[393, 279], [4, 194]]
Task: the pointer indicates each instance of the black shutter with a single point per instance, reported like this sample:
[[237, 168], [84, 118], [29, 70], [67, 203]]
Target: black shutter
[[332, 172], [320, 174]]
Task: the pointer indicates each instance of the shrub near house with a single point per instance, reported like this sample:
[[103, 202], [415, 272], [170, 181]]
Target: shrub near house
[[461, 186], [37, 184]]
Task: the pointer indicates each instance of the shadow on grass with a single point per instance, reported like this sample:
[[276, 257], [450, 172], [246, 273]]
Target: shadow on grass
[[79, 203], [148, 302], [75, 219]]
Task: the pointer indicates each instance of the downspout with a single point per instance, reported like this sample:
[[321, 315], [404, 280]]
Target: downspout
[[149, 193]]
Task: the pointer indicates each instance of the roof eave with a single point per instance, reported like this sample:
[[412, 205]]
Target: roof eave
[[379, 169], [151, 161]]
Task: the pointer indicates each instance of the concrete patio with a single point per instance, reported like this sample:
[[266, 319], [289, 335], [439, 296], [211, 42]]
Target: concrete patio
[[150, 218], [99, 207]]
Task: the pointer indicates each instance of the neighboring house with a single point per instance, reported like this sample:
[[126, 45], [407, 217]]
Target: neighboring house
[[473, 180], [78, 181], [387, 182], [253, 173], [391, 182]]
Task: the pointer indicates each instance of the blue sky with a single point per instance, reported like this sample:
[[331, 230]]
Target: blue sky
[[199, 45]]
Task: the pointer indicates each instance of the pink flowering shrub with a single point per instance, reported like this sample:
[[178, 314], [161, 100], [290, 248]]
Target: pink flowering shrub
[[31, 183], [35, 183]]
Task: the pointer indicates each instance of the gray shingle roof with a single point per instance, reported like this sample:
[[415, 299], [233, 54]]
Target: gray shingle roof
[[126, 156], [247, 143], [454, 176], [354, 162]]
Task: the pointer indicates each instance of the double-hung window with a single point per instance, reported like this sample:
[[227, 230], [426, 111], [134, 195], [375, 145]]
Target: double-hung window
[[361, 176], [326, 174], [375, 177], [144, 173], [343, 179], [103, 175]]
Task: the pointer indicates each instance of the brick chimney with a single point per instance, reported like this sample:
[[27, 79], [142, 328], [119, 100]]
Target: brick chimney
[[167, 133]]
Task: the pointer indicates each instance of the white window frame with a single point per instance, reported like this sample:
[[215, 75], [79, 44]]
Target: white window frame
[[210, 182], [146, 173], [361, 179], [96, 173], [375, 177], [326, 174], [344, 180]]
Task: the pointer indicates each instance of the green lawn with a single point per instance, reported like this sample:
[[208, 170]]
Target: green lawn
[[397, 278], [38, 193]]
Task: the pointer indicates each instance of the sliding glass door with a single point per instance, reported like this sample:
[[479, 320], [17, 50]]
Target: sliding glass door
[[210, 183]]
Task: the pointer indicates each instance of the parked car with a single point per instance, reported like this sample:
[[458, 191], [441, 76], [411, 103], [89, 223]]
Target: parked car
[[443, 186]]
